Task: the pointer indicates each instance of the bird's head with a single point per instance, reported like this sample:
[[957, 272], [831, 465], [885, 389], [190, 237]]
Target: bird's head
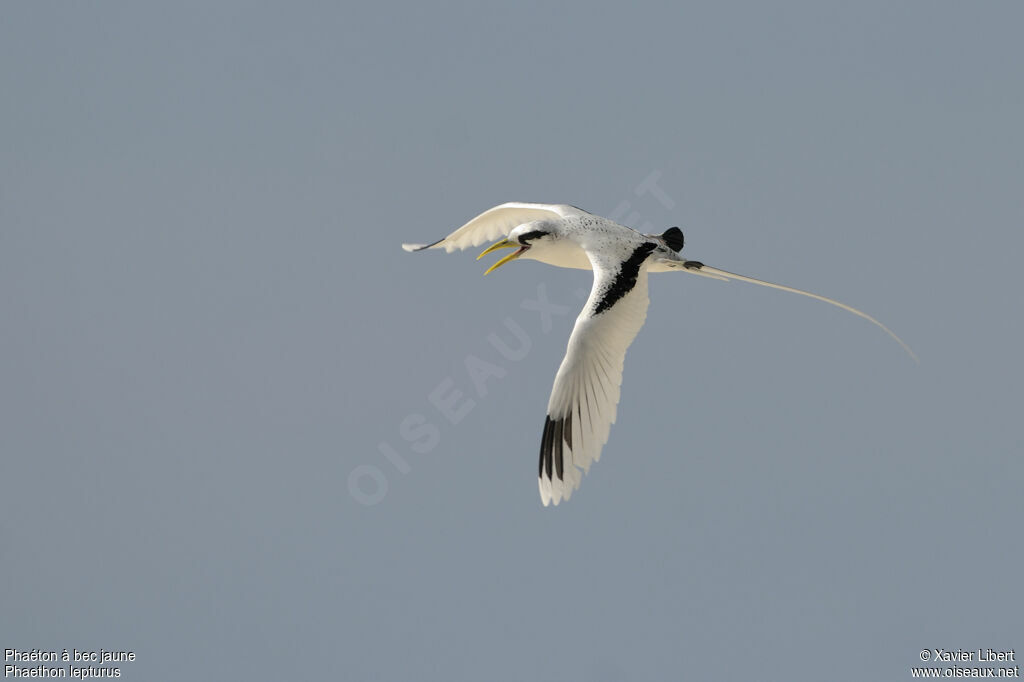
[[522, 238]]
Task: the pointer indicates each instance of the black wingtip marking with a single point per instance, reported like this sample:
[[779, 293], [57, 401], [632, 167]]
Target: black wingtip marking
[[558, 449], [543, 446], [427, 246], [673, 237], [557, 435], [546, 448]]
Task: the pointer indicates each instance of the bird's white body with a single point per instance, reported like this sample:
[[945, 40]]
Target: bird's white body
[[565, 253], [585, 394]]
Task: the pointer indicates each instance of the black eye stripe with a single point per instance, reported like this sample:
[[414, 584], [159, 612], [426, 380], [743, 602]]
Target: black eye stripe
[[523, 238]]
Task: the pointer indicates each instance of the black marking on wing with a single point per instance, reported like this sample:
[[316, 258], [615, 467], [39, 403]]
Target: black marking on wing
[[673, 237], [625, 279], [693, 265]]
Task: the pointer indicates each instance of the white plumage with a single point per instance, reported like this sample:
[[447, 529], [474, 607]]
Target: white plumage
[[585, 394]]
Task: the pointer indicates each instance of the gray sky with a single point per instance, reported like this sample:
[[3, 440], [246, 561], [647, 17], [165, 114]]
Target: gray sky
[[209, 330]]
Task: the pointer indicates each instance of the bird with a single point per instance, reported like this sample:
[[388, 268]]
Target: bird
[[585, 395]]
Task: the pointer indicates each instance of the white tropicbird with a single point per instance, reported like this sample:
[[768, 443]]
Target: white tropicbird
[[584, 398]]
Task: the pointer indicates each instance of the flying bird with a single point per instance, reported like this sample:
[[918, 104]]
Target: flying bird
[[585, 395]]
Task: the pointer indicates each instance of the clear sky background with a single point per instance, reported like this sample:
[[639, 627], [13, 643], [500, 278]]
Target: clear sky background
[[208, 331]]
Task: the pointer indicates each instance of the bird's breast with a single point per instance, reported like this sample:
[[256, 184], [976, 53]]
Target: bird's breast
[[563, 253]]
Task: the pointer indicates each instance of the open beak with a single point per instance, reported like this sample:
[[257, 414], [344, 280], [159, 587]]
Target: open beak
[[503, 244]]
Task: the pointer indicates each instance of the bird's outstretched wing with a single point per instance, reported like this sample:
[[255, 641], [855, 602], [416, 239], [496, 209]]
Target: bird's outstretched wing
[[586, 392], [697, 268], [496, 223]]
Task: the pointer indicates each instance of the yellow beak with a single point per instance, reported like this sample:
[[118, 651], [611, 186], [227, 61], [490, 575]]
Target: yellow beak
[[503, 244]]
